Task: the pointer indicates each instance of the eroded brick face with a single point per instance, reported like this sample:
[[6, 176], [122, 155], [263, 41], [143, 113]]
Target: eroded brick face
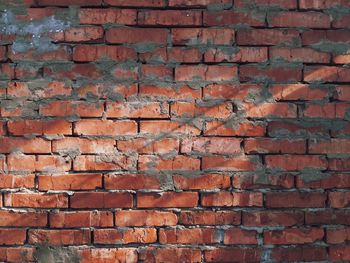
[[174, 131]]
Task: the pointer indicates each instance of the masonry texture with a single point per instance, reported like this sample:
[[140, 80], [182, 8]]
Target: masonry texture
[[174, 131]]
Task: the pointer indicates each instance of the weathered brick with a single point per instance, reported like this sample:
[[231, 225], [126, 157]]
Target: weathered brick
[[136, 35], [104, 16], [101, 200], [170, 18]]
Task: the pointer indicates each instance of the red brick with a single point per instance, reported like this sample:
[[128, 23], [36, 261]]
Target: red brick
[[341, 59], [170, 255], [130, 182], [131, 235], [112, 91], [70, 182], [296, 129], [322, 4], [206, 73], [326, 74], [157, 127], [200, 3], [82, 145], [273, 73], [136, 35], [126, 73], [70, 2], [306, 55], [268, 37], [329, 146], [211, 145], [210, 217], [264, 110], [73, 71], [137, 110], [207, 181], [3, 51], [232, 199], [80, 34], [327, 217], [227, 254], [103, 162], [260, 181], [61, 54], [297, 92], [21, 162], [18, 89], [150, 146], [59, 237], [293, 236], [247, 128], [7, 71], [88, 53], [242, 54], [267, 145], [237, 236], [339, 199], [109, 254], [78, 219], [12, 236], [68, 108], [328, 110], [339, 253], [230, 91], [191, 110], [343, 93], [295, 199], [311, 37], [37, 145], [169, 92], [202, 36], [136, 3], [17, 181], [156, 72], [17, 254], [172, 55], [104, 16], [327, 182], [167, 199], [296, 162], [272, 218], [170, 18], [227, 18], [229, 163], [341, 22], [36, 200], [339, 164], [188, 236], [101, 200], [339, 235], [297, 254], [20, 219], [37, 127], [180, 162], [145, 218], [300, 19], [52, 163], [105, 127]]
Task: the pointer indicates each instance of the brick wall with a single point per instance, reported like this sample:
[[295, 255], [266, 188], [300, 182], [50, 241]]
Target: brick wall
[[174, 130]]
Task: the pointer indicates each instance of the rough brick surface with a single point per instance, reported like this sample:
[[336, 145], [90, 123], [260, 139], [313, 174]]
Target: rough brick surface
[[174, 131]]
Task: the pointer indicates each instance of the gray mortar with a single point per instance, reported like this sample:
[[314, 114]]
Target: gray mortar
[[336, 48], [310, 175], [58, 254], [38, 29]]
